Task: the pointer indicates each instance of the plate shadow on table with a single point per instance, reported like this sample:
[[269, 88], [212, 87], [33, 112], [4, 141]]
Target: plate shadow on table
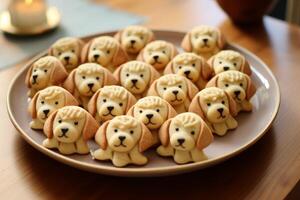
[[53, 179]]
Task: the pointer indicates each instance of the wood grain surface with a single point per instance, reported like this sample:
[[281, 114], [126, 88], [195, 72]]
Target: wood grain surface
[[268, 170]]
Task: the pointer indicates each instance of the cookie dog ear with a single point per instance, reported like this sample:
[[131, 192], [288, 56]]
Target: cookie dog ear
[[140, 56], [195, 107], [232, 105], [131, 111], [213, 82], [58, 74], [174, 51], [90, 127], [120, 56], [169, 68], [100, 136], [210, 63], [245, 67], [150, 37], [192, 89], [109, 78], [118, 36], [146, 139], [163, 133], [85, 51], [205, 136], [221, 40], [152, 89], [32, 106], [117, 74], [154, 74], [28, 75], [69, 83], [131, 100], [206, 71], [186, 42], [251, 89], [92, 105], [48, 126], [70, 99], [50, 51], [171, 111]]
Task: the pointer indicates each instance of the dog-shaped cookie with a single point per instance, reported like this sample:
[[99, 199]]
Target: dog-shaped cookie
[[45, 102], [229, 60], [44, 72], [110, 101], [134, 38], [158, 54], [86, 79], [122, 140], [106, 51], [204, 41], [68, 51], [136, 77], [238, 85], [175, 89], [153, 111], [192, 67], [68, 130], [184, 137], [217, 108]]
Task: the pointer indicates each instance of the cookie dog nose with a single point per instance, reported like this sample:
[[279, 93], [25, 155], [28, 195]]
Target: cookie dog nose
[[175, 92], [205, 39], [220, 110], [67, 58], [134, 81], [155, 57], [122, 138], [90, 85], [149, 116], [64, 130], [187, 72], [96, 56], [226, 68], [110, 108], [46, 111], [132, 41], [181, 140], [237, 92]]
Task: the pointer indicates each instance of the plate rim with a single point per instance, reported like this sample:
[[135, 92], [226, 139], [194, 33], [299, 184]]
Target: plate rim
[[142, 172]]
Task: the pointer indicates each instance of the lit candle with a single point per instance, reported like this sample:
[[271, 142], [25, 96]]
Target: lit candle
[[28, 13]]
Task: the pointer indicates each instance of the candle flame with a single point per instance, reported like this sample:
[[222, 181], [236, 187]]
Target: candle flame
[[28, 2]]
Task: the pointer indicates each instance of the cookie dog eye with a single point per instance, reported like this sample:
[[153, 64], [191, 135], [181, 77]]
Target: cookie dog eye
[[226, 85], [180, 86], [241, 84], [97, 78], [116, 130], [165, 88], [180, 67], [73, 51], [141, 111], [157, 110], [142, 75], [75, 123], [59, 53], [142, 37], [83, 77], [104, 100], [193, 64], [120, 104], [94, 49], [220, 62], [193, 132], [45, 70], [176, 129], [223, 102], [131, 132], [234, 64], [108, 51], [56, 102], [127, 75], [208, 104], [164, 52], [34, 70], [60, 121]]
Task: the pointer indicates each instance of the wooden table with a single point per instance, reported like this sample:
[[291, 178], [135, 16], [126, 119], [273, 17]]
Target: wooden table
[[268, 170]]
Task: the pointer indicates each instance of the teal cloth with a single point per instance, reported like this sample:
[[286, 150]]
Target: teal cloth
[[79, 18]]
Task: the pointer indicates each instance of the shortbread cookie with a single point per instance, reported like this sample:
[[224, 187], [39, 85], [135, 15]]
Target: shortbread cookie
[[122, 140], [228, 60], [153, 111], [184, 137], [158, 54], [134, 38], [45, 102], [191, 66], [86, 79], [68, 130], [204, 41], [175, 89], [110, 101], [44, 72], [136, 77], [238, 85], [217, 108], [106, 51], [68, 51]]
